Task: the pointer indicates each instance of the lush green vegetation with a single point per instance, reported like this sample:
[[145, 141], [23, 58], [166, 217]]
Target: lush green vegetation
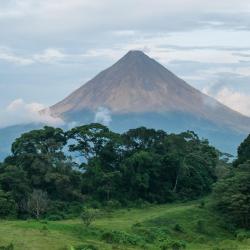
[[232, 193], [52, 173], [91, 188], [151, 227]]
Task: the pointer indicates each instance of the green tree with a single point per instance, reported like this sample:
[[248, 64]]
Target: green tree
[[7, 205], [243, 152], [88, 216], [232, 196]]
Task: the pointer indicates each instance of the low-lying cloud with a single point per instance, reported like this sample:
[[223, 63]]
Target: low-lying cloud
[[103, 116], [20, 112], [234, 99]]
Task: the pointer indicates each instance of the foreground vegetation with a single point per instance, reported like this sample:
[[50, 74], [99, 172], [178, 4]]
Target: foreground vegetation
[[192, 224], [90, 188]]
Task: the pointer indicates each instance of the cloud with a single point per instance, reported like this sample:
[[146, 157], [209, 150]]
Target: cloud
[[235, 100], [10, 57], [49, 55], [20, 112], [103, 115]]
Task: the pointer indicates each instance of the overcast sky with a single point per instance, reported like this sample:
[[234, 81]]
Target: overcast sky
[[49, 48]]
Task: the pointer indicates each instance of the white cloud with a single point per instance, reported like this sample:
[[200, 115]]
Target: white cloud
[[49, 55], [235, 100], [10, 57], [20, 112], [103, 115]]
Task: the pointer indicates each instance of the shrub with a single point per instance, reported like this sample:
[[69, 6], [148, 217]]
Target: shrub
[[55, 217], [120, 237], [88, 216], [173, 245], [178, 228], [148, 235], [112, 204], [242, 235], [9, 247]]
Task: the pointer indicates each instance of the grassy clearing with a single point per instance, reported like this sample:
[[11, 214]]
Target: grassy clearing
[[128, 229]]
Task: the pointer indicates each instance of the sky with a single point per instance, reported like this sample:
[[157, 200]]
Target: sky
[[49, 48]]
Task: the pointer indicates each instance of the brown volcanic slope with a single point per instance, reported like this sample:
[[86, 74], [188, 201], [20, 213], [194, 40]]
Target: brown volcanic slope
[[139, 84]]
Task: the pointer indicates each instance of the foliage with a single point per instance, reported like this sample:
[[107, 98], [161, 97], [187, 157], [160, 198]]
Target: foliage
[[173, 245], [243, 152], [232, 193], [121, 238], [7, 204], [88, 216], [92, 163], [232, 196], [9, 247], [138, 223]]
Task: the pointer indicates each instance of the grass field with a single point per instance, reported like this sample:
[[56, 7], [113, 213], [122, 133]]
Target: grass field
[[144, 228]]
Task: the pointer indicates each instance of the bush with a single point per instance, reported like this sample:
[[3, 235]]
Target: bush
[[66, 210], [88, 216], [178, 228], [173, 245], [55, 217], [9, 247], [148, 235], [242, 235], [120, 237], [112, 204]]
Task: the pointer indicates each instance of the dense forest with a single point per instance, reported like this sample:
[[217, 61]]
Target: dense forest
[[55, 174]]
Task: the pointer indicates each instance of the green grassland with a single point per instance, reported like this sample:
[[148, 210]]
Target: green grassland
[[141, 228]]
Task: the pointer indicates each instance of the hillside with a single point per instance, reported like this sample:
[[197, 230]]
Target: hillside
[[145, 227]]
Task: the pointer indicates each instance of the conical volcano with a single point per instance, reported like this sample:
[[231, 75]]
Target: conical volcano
[[137, 85], [138, 91]]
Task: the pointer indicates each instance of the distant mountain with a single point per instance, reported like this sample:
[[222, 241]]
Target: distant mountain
[[137, 85], [138, 91]]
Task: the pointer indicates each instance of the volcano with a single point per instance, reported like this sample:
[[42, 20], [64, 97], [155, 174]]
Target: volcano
[[138, 86], [138, 91]]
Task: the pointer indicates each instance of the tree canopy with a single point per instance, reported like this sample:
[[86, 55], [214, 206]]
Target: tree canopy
[[91, 162]]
